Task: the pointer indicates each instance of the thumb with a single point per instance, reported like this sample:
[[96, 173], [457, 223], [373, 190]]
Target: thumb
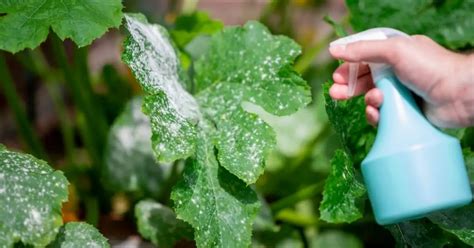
[[377, 51]]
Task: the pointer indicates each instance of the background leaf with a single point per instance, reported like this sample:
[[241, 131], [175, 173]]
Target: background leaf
[[31, 194], [130, 165], [335, 239], [459, 222], [27, 23], [418, 234], [436, 19], [158, 223], [189, 26], [78, 235]]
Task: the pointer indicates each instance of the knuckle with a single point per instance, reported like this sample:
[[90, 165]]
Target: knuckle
[[398, 46], [421, 37], [353, 50]]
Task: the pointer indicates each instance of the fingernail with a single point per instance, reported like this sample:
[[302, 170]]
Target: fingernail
[[337, 50]]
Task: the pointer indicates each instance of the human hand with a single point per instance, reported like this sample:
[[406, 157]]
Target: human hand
[[443, 79]]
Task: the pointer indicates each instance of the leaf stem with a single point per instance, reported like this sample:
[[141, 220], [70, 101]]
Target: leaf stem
[[92, 210], [311, 53], [293, 217], [14, 101], [170, 182], [291, 200], [306, 152]]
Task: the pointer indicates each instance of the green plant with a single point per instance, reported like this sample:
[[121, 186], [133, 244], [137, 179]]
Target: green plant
[[31, 196], [32, 193], [227, 145]]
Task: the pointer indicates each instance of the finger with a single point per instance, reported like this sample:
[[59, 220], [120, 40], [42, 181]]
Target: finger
[[374, 98], [340, 91], [341, 74], [372, 114], [378, 51]]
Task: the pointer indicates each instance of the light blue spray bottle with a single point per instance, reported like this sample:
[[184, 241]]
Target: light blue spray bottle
[[413, 169]]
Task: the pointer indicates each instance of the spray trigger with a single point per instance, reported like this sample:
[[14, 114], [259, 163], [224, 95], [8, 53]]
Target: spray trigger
[[353, 72]]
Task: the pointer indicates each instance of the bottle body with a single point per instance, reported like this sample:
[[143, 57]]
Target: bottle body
[[413, 168]]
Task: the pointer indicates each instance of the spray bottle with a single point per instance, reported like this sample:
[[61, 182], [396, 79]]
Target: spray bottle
[[412, 169]]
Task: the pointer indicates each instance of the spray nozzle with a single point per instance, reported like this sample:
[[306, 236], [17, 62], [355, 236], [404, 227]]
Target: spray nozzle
[[371, 34]]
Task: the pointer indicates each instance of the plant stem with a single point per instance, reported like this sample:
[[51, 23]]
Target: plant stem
[[14, 101], [92, 210], [36, 62], [295, 218], [305, 193], [306, 152], [171, 181], [311, 53], [94, 110], [91, 120]]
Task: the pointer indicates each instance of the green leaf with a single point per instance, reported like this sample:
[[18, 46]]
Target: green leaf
[[173, 112], [338, 28], [219, 206], [130, 165], [459, 222], [336, 239], [467, 140], [31, 194], [248, 64], [264, 220], [158, 223], [78, 235], [469, 161], [433, 18], [229, 137], [189, 26], [418, 234], [26, 23], [343, 194], [348, 119]]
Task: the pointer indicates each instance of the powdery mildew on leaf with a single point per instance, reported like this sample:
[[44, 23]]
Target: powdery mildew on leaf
[[79, 235], [130, 164], [27, 23], [213, 127], [342, 196], [159, 224], [31, 194], [248, 64], [219, 206], [173, 112], [243, 140]]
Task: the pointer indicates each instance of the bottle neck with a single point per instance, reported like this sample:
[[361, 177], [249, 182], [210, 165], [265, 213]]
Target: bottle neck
[[380, 71]]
